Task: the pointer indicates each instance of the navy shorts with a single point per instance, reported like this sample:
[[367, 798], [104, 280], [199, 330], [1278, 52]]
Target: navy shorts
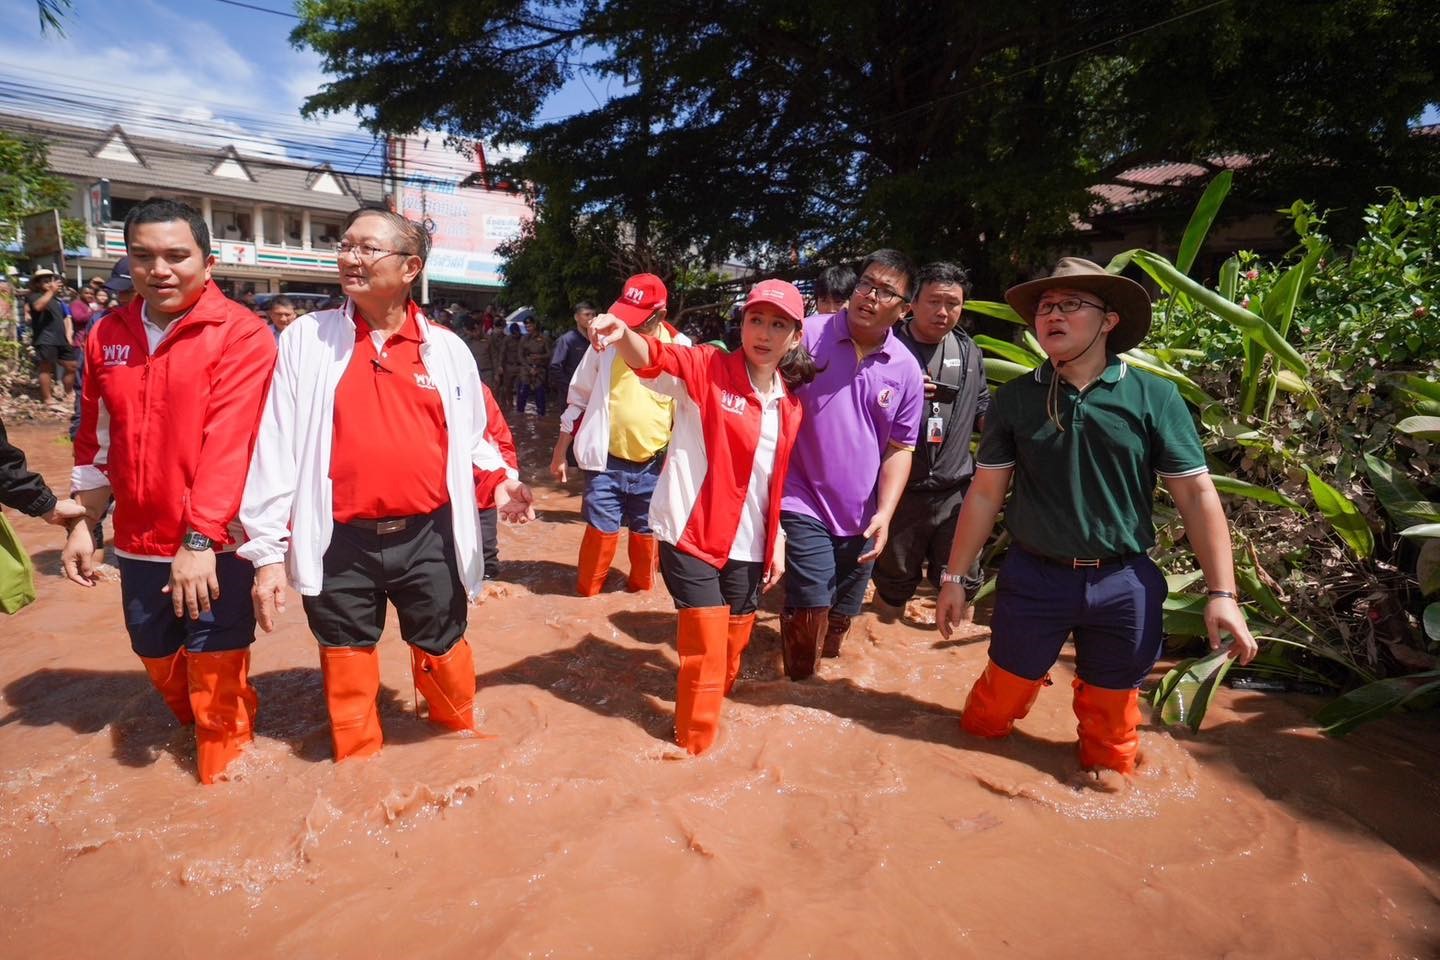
[[1115, 614], [821, 569], [694, 583], [150, 618], [619, 496]]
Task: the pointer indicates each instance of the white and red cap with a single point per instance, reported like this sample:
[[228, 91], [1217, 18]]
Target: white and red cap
[[644, 293], [779, 294]]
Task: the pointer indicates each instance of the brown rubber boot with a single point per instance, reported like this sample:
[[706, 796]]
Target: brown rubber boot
[[801, 632], [352, 682], [997, 700], [737, 639], [644, 552], [837, 627], [700, 688], [169, 676], [224, 705], [447, 683], [597, 549]]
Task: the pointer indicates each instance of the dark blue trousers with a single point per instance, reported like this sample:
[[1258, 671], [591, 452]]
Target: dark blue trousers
[[1114, 613]]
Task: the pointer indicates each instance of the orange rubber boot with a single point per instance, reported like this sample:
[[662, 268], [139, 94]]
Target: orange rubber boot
[[644, 552], [447, 683], [700, 690], [352, 682], [737, 639], [596, 551], [1108, 722], [837, 628], [801, 632], [997, 700], [224, 705], [169, 677]]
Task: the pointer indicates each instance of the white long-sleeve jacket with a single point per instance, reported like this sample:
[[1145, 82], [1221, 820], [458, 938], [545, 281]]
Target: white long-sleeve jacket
[[589, 398], [288, 506]]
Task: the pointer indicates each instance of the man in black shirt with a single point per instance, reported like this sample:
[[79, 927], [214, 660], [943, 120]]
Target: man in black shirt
[[50, 332], [956, 399]]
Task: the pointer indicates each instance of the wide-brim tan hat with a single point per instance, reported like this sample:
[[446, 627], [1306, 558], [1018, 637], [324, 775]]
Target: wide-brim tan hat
[[1120, 294]]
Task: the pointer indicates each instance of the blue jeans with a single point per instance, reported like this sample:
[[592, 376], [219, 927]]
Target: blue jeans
[[150, 618], [619, 495], [821, 569], [1115, 614]]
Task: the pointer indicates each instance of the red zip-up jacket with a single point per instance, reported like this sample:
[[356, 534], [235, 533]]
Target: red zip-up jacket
[[698, 501], [172, 432], [497, 431]]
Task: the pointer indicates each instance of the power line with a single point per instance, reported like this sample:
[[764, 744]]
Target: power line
[[250, 6]]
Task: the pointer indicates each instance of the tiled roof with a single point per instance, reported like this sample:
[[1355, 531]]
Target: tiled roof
[[1138, 185], [184, 168]]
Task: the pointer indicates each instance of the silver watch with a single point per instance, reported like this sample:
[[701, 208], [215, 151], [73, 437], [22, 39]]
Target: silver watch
[[196, 541]]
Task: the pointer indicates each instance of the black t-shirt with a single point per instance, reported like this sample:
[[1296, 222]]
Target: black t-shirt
[[48, 323], [941, 466]]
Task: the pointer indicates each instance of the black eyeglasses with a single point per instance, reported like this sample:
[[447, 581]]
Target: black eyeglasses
[[1069, 305], [883, 294]]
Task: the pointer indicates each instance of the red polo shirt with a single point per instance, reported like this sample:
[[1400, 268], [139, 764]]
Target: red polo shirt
[[388, 455]]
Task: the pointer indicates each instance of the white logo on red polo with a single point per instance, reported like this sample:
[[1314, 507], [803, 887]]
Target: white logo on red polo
[[116, 354], [423, 381], [885, 397], [733, 402]]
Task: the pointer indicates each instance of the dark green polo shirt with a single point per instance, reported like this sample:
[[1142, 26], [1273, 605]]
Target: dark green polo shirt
[[1088, 491]]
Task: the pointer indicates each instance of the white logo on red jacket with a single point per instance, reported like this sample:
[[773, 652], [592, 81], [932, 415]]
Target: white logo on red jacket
[[733, 402], [116, 354]]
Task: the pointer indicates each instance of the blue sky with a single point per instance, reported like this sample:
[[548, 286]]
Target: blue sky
[[201, 69]]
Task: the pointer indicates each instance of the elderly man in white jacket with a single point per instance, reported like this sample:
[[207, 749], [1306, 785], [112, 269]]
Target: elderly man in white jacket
[[363, 485]]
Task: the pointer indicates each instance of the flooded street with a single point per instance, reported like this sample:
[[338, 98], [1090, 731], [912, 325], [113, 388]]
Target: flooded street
[[845, 816]]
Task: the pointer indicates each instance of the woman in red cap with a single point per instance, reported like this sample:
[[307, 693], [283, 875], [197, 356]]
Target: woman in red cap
[[716, 509]]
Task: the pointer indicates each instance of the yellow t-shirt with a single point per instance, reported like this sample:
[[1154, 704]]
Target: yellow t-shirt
[[639, 417]]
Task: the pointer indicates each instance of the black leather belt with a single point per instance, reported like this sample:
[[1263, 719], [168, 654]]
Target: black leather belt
[[1080, 563], [391, 525]]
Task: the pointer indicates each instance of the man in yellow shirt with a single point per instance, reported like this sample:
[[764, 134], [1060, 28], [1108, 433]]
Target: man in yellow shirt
[[619, 428]]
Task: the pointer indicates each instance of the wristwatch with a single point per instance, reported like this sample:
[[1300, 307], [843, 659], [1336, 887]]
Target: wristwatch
[[947, 577], [196, 541]]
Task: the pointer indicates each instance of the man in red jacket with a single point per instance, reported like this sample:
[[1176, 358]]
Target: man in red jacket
[[174, 385]]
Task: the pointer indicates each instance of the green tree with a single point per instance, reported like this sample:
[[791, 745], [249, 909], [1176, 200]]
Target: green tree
[[967, 128], [26, 186]]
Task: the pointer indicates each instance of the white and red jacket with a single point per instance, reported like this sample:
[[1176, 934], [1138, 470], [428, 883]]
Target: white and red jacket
[[171, 432], [701, 493], [289, 505]]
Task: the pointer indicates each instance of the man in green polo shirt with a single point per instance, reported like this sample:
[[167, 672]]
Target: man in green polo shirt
[[1084, 439]]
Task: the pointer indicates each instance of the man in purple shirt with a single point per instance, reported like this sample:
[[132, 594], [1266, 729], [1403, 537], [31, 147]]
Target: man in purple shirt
[[851, 459]]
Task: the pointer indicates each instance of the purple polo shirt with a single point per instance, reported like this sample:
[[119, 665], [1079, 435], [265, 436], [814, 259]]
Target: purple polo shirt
[[854, 409]]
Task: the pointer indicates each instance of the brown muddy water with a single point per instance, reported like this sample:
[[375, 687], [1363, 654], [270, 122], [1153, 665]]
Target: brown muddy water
[[845, 816]]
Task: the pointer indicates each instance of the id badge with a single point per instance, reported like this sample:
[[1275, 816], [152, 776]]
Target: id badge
[[935, 430]]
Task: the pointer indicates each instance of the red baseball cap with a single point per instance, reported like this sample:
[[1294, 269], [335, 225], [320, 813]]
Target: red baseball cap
[[780, 294], [644, 293]]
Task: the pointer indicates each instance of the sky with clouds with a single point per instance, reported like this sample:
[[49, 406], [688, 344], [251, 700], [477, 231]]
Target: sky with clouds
[[201, 70]]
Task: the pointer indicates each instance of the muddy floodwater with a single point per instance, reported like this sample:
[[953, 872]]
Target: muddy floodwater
[[846, 816]]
